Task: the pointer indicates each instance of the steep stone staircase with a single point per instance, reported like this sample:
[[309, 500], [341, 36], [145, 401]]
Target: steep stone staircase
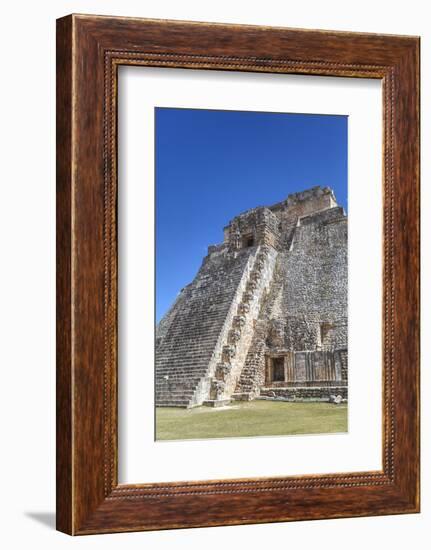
[[241, 331], [185, 352], [178, 382], [184, 378], [253, 374]]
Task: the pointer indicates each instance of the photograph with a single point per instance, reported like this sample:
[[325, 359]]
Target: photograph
[[251, 273]]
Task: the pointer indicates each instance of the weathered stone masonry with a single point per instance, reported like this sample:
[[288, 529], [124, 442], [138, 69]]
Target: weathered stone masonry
[[266, 315]]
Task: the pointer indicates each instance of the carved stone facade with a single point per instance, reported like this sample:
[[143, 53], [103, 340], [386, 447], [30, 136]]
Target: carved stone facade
[[266, 315]]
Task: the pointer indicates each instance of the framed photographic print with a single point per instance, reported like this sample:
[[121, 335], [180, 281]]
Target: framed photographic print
[[237, 274]]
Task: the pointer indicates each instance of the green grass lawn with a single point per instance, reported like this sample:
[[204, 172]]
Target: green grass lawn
[[249, 419]]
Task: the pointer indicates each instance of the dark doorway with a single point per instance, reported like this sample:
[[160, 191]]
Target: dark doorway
[[278, 369], [247, 241]]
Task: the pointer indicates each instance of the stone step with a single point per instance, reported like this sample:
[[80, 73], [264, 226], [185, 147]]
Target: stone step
[[185, 392], [190, 389], [242, 396], [180, 373], [183, 380], [175, 364], [170, 404], [165, 396], [193, 373], [205, 336], [185, 363], [195, 337], [185, 385], [173, 401], [177, 361], [201, 327], [182, 385], [196, 348], [176, 390], [180, 392]]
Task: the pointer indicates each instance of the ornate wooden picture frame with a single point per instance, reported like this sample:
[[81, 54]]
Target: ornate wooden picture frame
[[89, 51]]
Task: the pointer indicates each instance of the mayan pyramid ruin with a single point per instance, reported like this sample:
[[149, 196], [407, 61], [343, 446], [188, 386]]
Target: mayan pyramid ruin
[[266, 315]]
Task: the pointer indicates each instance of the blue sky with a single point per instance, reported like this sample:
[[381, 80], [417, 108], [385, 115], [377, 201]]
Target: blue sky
[[212, 165]]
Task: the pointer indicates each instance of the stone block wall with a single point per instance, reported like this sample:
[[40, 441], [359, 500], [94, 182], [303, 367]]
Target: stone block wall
[[315, 289], [311, 368], [321, 393], [259, 226]]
